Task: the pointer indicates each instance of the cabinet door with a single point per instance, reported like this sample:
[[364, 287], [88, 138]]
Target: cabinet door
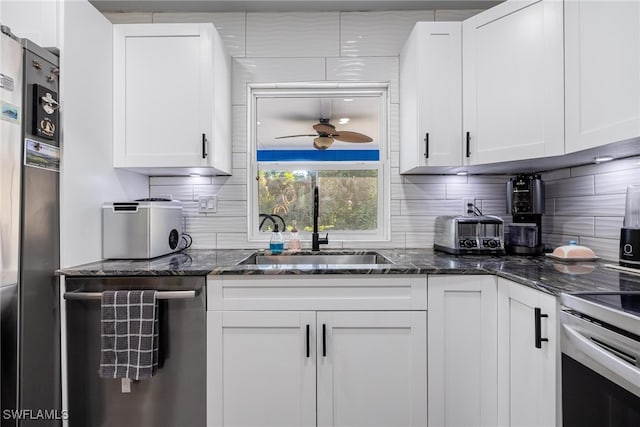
[[431, 96], [261, 369], [526, 374], [372, 369], [513, 87], [602, 65], [462, 350], [163, 91]]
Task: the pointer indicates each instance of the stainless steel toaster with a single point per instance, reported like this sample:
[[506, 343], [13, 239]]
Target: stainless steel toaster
[[141, 230], [469, 234]]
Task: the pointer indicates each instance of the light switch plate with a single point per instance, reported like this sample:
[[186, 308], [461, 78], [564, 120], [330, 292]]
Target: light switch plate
[[208, 204]]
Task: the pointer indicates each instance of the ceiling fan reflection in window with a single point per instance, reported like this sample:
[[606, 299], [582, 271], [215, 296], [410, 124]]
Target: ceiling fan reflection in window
[[327, 133]]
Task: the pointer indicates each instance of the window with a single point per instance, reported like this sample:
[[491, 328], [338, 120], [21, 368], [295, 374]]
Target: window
[[308, 136]]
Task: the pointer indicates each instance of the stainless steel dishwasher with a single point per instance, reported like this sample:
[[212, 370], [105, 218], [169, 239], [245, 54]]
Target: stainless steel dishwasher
[[175, 395]]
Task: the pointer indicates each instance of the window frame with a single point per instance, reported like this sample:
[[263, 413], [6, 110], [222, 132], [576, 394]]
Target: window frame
[[328, 89]]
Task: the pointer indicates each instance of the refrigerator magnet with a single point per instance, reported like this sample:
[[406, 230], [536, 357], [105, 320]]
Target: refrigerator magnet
[[10, 112], [41, 155]]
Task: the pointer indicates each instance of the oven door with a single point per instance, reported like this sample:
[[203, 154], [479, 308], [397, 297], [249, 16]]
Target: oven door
[[600, 375]]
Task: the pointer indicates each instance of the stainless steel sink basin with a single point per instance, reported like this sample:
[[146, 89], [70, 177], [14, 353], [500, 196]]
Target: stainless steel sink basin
[[367, 258]]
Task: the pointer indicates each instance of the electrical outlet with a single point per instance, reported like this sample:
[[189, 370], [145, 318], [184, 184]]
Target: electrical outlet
[[467, 206]]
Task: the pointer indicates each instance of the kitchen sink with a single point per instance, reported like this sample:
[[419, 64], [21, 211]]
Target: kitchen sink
[[361, 258]]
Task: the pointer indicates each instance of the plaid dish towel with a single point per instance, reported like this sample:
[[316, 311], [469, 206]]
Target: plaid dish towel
[[129, 334]]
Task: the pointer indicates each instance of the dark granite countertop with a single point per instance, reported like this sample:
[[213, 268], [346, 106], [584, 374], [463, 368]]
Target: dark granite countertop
[[537, 272]]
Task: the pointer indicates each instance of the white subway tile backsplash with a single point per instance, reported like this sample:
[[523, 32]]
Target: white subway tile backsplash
[[435, 179], [239, 129], [293, 34], [394, 159], [179, 180], [431, 207], [223, 192], [608, 205], [413, 224], [607, 249], [608, 227], [394, 127], [570, 187], [175, 192], [493, 207], [489, 179], [554, 240], [556, 174], [219, 224], [272, 70], [239, 161], [616, 182], [395, 209], [419, 240], [417, 191], [378, 69], [475, 191], [230, 25], [574, 225], [238, 176], [378, 33], [202, 240]]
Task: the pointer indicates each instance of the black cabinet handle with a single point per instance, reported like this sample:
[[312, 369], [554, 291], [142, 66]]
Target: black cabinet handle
[[324, 340], [426, 145], [468, 144], [537, 319], [308, 349], [204, 146]]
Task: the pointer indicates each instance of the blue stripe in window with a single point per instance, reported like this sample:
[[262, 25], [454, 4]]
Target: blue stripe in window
[[318, 155]]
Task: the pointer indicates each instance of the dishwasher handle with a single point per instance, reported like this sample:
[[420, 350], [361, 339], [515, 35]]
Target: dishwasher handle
[[159, 295]]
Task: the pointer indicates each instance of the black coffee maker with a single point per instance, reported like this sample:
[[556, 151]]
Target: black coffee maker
[[525, 202]]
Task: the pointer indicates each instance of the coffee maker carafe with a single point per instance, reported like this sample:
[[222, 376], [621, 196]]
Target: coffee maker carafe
[[525, 202], [630, 232]]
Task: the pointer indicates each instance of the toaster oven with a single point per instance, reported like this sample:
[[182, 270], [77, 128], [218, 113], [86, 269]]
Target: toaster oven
[[460, 235]]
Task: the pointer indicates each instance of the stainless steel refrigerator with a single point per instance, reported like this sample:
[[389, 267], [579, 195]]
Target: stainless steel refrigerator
[[29, 234]]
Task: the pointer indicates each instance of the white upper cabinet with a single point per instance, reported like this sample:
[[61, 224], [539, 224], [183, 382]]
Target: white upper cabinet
[[602, 69], [172, 95], [513, 87], [431, 96]]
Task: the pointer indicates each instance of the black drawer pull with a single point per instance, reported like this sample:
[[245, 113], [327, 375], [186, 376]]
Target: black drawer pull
[[204, 146], [426, 145], [537, 319], [308, 350], [468, 144], [324, 340]]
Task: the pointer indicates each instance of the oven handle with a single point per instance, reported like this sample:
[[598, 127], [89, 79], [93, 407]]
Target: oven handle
[[605, 358], [159, 295]]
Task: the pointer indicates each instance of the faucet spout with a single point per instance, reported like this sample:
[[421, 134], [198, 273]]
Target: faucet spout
[[316, 240]]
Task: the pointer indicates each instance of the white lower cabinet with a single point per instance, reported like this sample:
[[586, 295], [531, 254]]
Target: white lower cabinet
[[462, 346], [493, 353], [281, 367], [528, 356]]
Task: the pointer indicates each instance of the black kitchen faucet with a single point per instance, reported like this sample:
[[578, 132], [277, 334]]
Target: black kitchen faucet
[[316, 240]]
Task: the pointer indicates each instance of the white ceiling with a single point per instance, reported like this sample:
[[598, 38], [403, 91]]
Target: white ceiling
[[286, 5]]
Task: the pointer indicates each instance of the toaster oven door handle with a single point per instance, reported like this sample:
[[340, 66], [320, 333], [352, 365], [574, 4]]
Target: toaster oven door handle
[[159, 295]]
